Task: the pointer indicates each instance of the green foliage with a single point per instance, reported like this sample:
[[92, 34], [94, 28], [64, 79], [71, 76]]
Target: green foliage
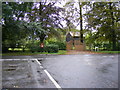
[[109, 52], [103, 17], [24, 23], [49, 17], [13, 30], [33, 46], [61, 52], [62, 45], [20, 24], [107, 46], [4, 49], [37, 48], [52, 48]]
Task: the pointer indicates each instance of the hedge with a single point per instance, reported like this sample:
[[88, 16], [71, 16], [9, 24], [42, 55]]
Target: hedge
[[51, 48], [61, 45]]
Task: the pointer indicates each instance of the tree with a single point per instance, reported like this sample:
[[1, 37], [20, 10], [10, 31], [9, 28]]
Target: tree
[[12, 24], [74, 16], [69, 15], [102, 18], [29, 21], [48, 14]]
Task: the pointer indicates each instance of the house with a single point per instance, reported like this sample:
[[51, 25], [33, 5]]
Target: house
[[73, 41]]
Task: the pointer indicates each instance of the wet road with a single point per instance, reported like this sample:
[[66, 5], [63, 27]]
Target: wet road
[[80, 71], [83, 71], [23, 72]]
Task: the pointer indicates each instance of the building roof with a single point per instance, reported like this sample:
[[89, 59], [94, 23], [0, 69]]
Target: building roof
[[75, 34]]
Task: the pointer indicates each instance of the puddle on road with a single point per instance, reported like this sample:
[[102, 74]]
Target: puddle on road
[[40, 60], [105, 69], [9, 69]]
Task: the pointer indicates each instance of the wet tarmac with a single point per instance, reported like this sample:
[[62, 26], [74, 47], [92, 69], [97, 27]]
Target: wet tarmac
[[23, 73], [84, 71], [74, 71]]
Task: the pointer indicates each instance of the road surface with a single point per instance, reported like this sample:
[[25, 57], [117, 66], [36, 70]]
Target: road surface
[[83, 71], [78, 71]]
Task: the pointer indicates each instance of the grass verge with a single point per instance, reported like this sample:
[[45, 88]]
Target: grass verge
[[109, 52], [61, 52]]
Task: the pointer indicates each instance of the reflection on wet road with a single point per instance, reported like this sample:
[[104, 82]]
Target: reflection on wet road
[[83, 71]]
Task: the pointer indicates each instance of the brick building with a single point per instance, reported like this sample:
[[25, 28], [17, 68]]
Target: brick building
[[73, 42]]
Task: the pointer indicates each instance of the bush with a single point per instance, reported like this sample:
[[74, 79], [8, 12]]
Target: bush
[[61, 45], [34, 47], [51, 48]]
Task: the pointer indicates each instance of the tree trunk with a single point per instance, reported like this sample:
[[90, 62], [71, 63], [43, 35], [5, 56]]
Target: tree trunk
[[42, 36], [113, 29], [23, 49], [81, 29]]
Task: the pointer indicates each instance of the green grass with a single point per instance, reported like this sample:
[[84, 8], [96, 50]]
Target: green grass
[[61, 52], [109, 52], [17, 49]]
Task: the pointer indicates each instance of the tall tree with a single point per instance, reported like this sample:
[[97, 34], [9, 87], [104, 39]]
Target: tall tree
[[69, 16], [102, 18], [25, 17], [13, 13], [48, 14], [74, 15], [81, 22]]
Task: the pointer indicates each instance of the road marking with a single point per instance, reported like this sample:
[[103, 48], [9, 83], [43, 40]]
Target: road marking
[[50, 77], [15, 59], [38, 62]]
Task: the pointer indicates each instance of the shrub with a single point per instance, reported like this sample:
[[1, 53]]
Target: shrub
[[34, 47], [51, 48], [61, 45]]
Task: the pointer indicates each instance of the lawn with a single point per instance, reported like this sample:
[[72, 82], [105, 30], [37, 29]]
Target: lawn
[[109, 52], [61, 52]]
